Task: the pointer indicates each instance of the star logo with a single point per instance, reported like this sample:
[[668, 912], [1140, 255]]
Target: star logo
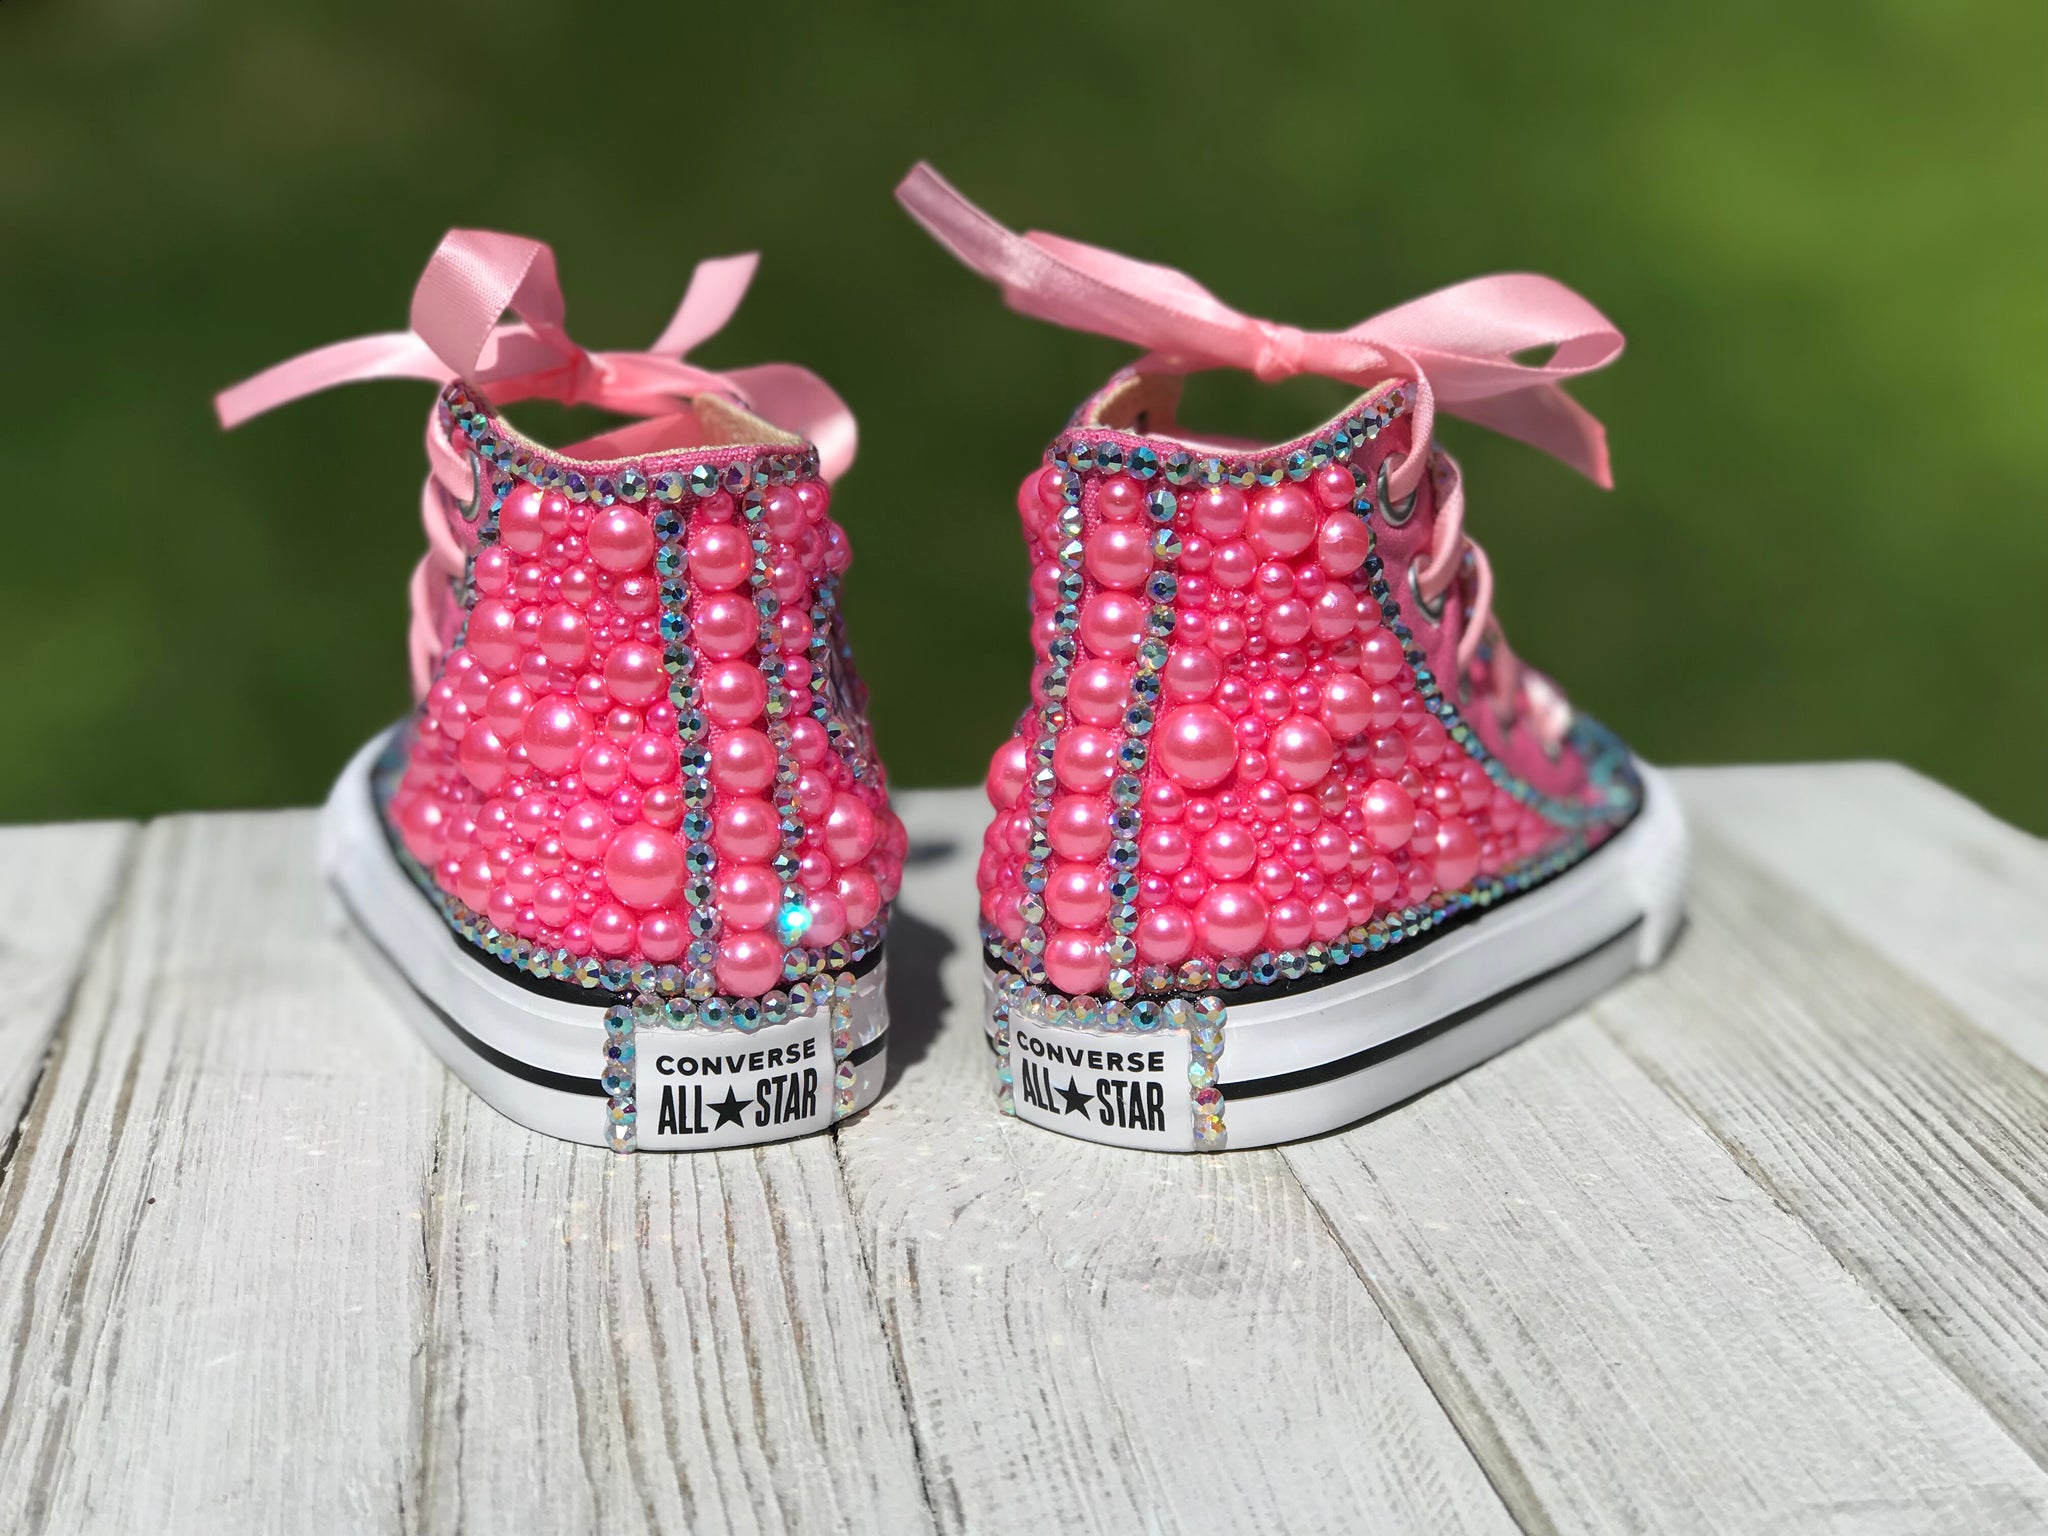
[[729, 1108], [1077, 1101]]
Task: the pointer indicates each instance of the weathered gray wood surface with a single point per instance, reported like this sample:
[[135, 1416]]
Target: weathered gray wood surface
[[1754, 1244]]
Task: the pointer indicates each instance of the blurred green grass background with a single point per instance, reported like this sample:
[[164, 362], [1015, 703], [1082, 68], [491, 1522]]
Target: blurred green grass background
[[1823, 227]]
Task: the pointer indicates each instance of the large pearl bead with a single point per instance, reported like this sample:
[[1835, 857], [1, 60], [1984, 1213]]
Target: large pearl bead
[[1195, 746], [742, 761], [1084, 759], [1228, 850], [725, 626], [749, 963], [1301, 751], [1389, 815], [620, 539], [1074, 962], [1219, 511], [1232, 920], [644, 866], [634, 674], [721, 556], [745, 828], [1342, 544], [1113, 624], [1007, 771], [1165, 934], [1076, 895], [1282, 521], [1119, 555], [735, 693], [1098, 690], [1078, 827], [849, 830], [553, 733]]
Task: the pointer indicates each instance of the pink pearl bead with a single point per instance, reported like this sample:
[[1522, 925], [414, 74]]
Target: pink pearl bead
[[1343, 544], [603, 765], [1228, 850], [483, 758], [828, 918], [637, 596], [493, 635], [1078, 827], [1389, 815], [1289, 924], [662, 936], [1085, 759], [745, 828], [742, 762], [735, 693], [1074, 962], [1192, 672], [634, 674], [1007, 771], [813, 793], [782, 509], [1380, 656], [721, 557], [1347, 705], [1456, 853], [808, 740], [1219, 511], [493, 570], [612, 930], [564, 636], [1164, 800], [1119, 498], [506, 705], [1234, 565], [1164, 847], [1165, 935], [1112, 624], [585, 828], [749, 963], [1232, 920], [725, 626], [849, 830], [620, 539], [1282, 520], [663, 806], [1287, 622], [1330, 916], [1099, 690], [861, 894], [644, 866], [1335, 488], [1427, 741], [553, 733], [1195, 746], [1076, 895], [1301, 751], [1227, 634], [651, 759], [1119, 555], [519, 522]]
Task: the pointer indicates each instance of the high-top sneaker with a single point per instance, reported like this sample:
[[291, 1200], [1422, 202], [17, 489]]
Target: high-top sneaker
[[1288, 834], [633, 850]]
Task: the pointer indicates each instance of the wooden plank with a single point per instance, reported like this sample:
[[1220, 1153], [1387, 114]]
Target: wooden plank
[[56, 884], [1094, 1339], [1952, 895], [1633, 1334], [1912, 1142], [681, 1343], [266, 1267]]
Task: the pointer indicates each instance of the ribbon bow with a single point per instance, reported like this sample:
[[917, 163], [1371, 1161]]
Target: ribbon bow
[[477, 276], [1458, 344]]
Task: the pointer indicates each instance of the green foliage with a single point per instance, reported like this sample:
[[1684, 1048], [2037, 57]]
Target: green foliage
[[1822, 227]]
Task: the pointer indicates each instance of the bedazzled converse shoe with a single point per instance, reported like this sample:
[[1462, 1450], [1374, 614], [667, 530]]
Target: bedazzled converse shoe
[[1288, 834], [632, 855]]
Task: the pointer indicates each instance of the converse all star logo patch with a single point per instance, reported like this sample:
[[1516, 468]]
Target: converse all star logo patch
[[1130, 1090], [698, 1089]]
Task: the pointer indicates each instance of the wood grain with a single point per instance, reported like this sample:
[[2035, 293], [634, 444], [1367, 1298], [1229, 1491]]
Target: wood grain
[[56, 883], [1098, 1340], [265, 1266], [1951, 895], [1913, 1142], [1631, 1333]]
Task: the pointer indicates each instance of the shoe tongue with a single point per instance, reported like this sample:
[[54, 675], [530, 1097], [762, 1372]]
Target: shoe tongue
[[680, 430]]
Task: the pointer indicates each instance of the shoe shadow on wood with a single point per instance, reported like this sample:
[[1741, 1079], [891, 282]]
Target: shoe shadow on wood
[[916, 990]]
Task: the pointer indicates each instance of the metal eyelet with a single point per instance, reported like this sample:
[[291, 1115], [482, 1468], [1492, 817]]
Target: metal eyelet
[[1434, 612], [473, 508], [1395, 516]]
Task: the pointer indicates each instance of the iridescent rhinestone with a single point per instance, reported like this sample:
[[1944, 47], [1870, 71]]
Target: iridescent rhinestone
[[1144, 463], [632, 485], [1109, 458], [1180, 466]]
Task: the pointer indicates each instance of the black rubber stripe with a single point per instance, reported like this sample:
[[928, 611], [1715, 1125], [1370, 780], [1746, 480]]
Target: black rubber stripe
[[1387, 1050], [560, 1082]]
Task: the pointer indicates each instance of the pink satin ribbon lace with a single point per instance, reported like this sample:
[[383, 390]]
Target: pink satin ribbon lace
[[459, 330], [1459, 345]]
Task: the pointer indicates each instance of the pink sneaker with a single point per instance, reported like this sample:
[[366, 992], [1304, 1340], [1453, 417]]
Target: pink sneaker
[[633, 850], [1288, 833]]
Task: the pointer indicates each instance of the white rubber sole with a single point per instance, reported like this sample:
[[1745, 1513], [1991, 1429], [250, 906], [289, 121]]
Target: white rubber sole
[[538, 1058], [1304, 1064]]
